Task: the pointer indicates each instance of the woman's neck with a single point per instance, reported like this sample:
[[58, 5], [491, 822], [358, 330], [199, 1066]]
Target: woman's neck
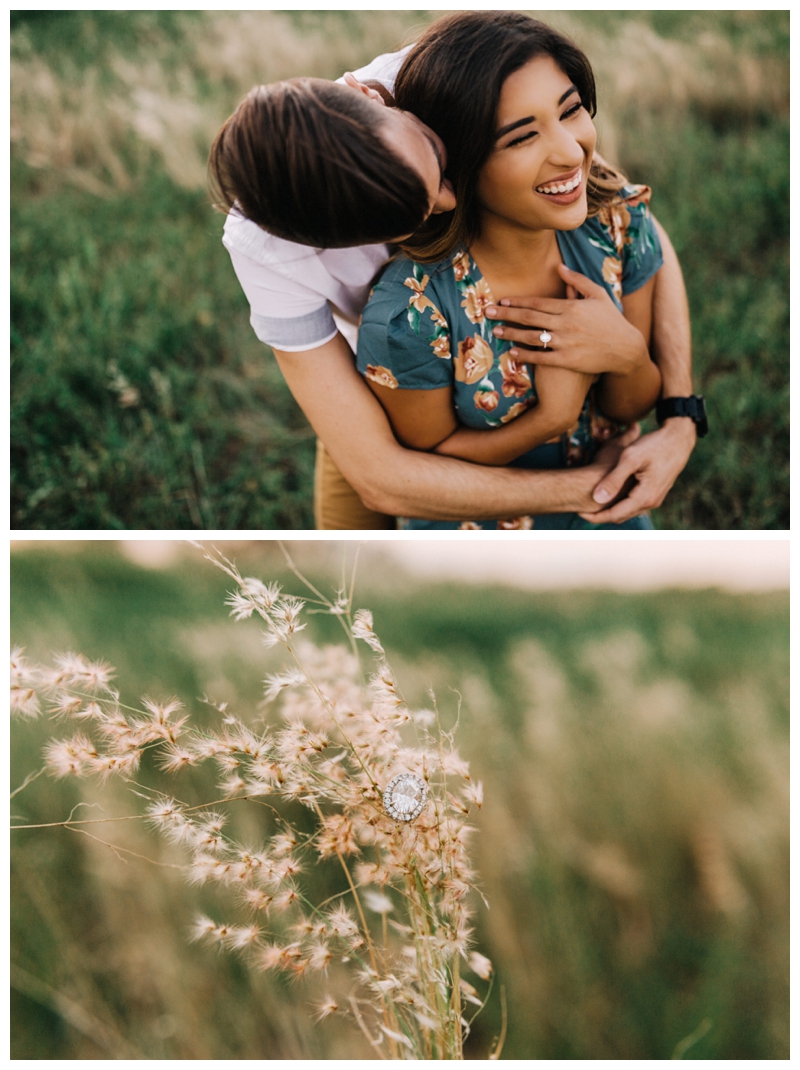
[[516, 261]]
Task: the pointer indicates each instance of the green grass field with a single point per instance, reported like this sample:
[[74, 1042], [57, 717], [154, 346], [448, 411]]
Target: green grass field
[[633, 845], [141, 398]]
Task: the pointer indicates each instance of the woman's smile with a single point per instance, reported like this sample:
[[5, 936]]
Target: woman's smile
[[564, 189]]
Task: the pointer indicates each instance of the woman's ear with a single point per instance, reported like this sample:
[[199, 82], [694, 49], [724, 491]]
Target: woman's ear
[[351, 80]]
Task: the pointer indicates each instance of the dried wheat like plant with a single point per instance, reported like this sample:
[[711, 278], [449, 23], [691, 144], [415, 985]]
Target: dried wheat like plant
[[389, 792]]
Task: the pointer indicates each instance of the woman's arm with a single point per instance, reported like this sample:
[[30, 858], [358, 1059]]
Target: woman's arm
[[425, 420], [630, 396]]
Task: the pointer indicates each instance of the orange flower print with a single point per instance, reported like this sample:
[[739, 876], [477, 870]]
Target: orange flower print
[[461, 266], [474, 359], [476, 298], [438, 318], [639, 195], [516, 377], [618, 219], [381, 376], [487, 400], [469, 525], [419, 301], [612, 273], [518, 523], [441, 346], [516, 410]]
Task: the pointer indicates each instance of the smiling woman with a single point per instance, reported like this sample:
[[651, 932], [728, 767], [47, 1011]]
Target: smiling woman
[[513, 101]]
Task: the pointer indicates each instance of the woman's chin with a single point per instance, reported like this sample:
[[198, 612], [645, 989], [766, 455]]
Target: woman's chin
[[568, 217]]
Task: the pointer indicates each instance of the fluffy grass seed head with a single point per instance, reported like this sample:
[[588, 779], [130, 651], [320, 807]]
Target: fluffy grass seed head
[[334, 746]]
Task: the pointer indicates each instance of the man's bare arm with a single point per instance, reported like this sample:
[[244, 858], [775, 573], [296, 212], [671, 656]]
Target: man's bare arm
[[672, 334], [391, 479], [656, 460]]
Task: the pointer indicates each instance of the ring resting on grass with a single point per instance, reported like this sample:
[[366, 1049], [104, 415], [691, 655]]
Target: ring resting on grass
[[405, 796], [544, 338]]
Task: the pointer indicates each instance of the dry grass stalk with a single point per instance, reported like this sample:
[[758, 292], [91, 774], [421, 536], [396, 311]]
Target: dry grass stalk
[[336, 747]]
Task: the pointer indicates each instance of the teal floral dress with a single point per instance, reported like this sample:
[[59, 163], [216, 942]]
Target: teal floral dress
[[424, 327]]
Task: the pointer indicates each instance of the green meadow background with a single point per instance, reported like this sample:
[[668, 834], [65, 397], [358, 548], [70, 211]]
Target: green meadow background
[[633, 845], [141, 397]]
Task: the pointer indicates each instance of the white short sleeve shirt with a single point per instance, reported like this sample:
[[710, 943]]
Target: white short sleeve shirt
[[300, 296]]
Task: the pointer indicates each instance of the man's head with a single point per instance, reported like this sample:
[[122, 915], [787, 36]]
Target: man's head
[[328, 165]]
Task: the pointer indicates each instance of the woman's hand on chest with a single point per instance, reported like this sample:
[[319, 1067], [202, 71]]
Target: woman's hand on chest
[[590, 336]]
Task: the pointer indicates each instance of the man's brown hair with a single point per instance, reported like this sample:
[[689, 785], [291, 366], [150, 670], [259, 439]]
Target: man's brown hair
[[304, 159]]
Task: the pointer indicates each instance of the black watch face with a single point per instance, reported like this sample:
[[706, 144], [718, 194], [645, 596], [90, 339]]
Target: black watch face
[[693, 408]]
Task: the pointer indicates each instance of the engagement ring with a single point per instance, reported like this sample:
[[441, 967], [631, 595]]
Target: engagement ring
[[405, 796], [544, 338]]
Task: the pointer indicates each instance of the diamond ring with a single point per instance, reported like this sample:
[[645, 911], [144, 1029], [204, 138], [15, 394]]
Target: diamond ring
[[405, 796], [544, 338]]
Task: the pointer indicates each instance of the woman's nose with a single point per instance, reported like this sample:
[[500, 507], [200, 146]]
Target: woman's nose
[[565, 149]]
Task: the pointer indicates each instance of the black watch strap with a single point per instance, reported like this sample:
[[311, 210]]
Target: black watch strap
[[693, 407]]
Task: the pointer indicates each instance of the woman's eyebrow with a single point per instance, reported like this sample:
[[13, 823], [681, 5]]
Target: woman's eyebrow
[[532, 118]]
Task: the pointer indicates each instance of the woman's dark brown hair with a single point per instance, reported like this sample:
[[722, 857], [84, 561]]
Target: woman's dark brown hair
[[304, 160], [452, 80]]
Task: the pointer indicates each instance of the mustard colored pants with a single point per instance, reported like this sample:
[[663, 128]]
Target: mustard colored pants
[[337, 507]]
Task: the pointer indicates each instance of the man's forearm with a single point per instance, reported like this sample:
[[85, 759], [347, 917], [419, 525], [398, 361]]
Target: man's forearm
[[390, 479], [439, 488], [672, 338]]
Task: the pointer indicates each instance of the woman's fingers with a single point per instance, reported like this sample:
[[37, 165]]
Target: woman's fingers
[[581, 283], [530, 339], [514, 307], [522, 318], [527, 309]]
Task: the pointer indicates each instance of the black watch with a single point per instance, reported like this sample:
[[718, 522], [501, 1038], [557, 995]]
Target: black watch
[[693, 407]]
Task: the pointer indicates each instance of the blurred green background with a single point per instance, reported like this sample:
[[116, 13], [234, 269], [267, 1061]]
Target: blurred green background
[[141, 397], [633, 845]]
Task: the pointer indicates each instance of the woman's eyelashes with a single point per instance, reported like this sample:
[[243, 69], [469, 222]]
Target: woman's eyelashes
[[568, 114], [572, 111], [521, 140]]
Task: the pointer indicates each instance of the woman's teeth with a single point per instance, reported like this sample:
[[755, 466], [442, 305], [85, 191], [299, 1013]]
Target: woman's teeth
[[564, 187]]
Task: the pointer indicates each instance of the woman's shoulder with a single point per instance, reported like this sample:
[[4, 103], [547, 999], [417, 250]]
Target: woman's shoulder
[[402, 272], [407, 286], [404, 335]]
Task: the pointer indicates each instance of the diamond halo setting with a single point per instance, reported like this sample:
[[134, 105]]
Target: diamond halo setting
[[405, 796]]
